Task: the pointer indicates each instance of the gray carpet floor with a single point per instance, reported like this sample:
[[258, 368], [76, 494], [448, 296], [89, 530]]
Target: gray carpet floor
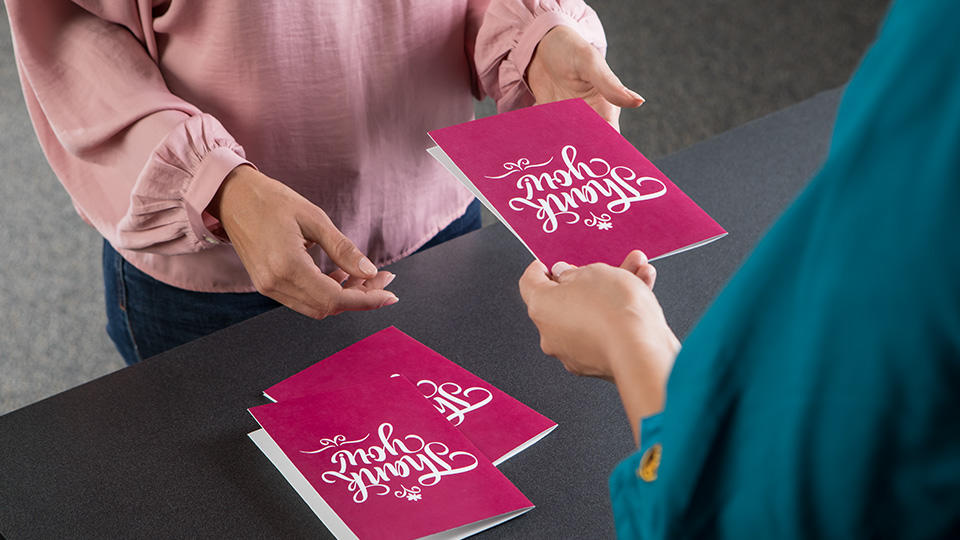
[[704, 66]]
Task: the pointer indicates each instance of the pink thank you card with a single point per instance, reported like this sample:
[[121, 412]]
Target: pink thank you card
[[377, 461], [498, 424], [570, 187]]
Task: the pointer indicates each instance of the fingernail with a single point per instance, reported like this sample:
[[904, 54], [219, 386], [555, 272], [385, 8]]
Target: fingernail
[[390, 279], [636, 96], [390, 301], [560, 267], [367, 267]]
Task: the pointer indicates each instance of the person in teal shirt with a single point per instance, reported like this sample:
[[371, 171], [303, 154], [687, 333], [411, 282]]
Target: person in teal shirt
[[819, 396]]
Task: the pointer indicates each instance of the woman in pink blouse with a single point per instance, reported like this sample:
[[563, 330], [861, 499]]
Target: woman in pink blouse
[[226, 149]]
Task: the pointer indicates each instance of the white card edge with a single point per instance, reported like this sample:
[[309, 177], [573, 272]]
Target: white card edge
[[476, 527], [295, 478], [689, 247], [533, 440], [438, 154]]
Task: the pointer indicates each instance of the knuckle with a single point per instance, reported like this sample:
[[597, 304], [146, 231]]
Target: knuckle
[[325, 307], [279, 268], [317, 314], [318, 309], [266, 284], [571, 368], [533, 310], [585, 50], [343, 246], [544, 345], [547, 346]]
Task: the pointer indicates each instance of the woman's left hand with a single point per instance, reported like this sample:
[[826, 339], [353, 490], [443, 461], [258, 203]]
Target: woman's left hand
[[589, 316], [604, 321], [566, 66]]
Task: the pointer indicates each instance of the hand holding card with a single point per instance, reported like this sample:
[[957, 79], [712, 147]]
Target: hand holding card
[[570, 187]]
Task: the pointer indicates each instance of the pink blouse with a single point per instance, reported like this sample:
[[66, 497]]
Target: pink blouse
[[142, 107]]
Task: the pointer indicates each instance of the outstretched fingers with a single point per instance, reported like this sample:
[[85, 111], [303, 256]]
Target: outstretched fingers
[[317, 227], [609, 85], [380, 281], [324, 296], [303, 287]]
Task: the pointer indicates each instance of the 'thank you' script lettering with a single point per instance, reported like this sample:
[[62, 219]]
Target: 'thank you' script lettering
[[452, 399], [370, 469], [563, 193]]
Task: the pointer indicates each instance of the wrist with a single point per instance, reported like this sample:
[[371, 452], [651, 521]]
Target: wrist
[[646, 366], [640, 370], [236, 179]]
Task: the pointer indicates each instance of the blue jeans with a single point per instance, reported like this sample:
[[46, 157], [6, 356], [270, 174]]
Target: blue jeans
[[146, 317]]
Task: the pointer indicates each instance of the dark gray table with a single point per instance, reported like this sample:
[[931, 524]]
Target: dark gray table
[[160, 449]]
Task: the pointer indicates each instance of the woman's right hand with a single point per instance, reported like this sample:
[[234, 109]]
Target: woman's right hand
[[604, 321], [271, 226]]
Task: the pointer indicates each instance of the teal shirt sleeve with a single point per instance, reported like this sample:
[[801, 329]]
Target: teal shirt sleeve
[[819, 397], [629, 491]]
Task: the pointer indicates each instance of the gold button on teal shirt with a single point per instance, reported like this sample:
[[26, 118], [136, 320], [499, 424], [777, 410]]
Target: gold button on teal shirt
[[819, 397]]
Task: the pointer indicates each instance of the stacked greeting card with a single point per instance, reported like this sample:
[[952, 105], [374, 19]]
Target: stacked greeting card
[[570, 187], [389, 439]]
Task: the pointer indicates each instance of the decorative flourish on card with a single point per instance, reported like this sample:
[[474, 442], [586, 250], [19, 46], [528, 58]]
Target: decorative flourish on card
[[602, 222], [521, 164], [412, 494], [337, 440]]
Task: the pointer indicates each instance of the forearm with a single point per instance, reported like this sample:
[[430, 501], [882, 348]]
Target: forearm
[[640, 371], [139, 162]]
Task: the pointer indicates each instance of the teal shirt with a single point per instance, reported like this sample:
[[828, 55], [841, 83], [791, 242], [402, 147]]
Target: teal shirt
[[819, 397]]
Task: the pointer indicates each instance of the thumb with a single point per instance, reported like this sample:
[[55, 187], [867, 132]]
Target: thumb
[[637, 264], [317, 227], [608, 84], [634, 260], [559, 268]]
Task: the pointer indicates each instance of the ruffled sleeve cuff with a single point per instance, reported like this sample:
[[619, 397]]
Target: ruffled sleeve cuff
[[633, 482], [509, 36], [167, 207]]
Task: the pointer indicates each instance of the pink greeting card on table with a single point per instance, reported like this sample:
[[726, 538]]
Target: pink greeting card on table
[[377, 461], [498, 424], [570, 187]]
